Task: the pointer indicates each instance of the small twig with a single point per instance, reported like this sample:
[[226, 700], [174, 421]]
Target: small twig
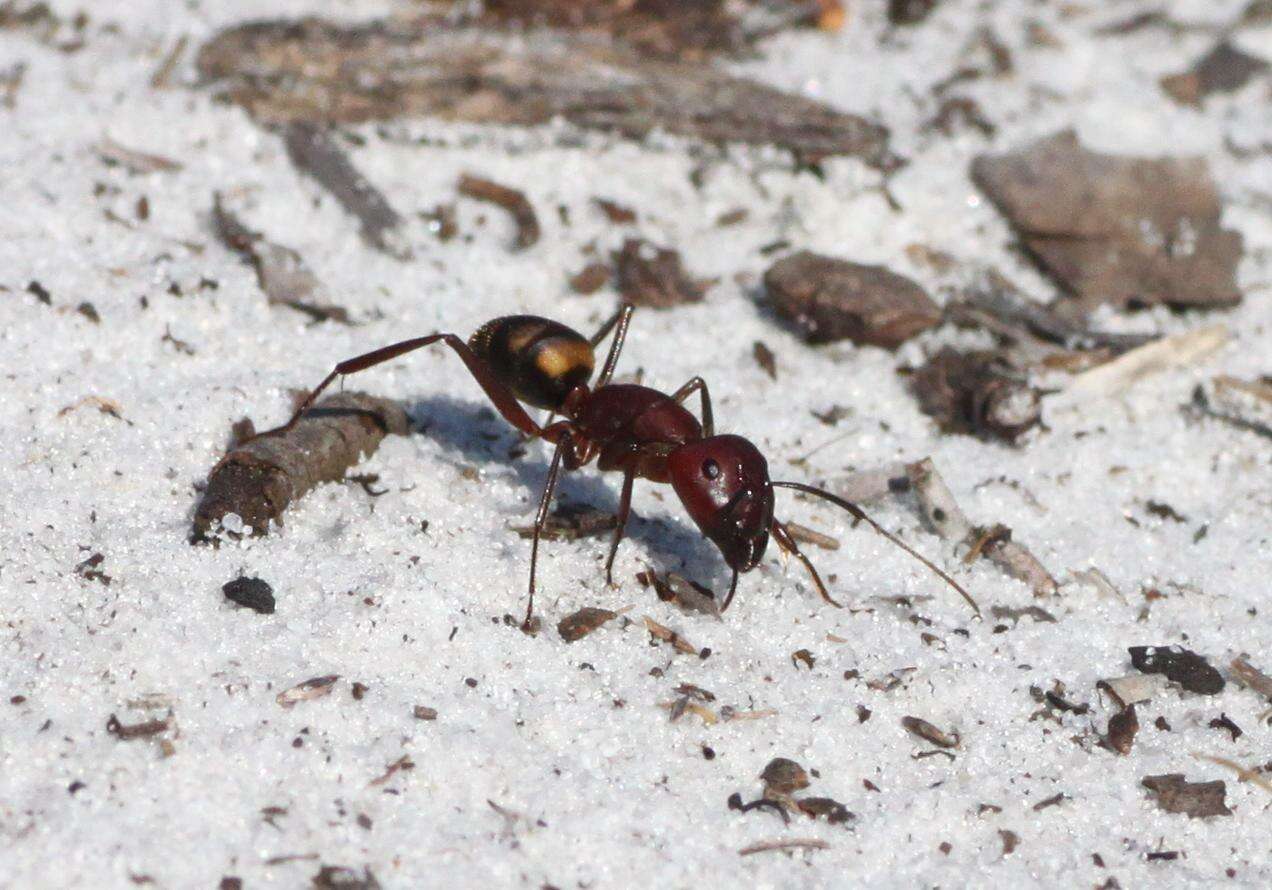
[[1244, 774], [950, 522], [807, 843]]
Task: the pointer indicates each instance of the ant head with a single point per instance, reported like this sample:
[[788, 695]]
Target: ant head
[[723, 482]]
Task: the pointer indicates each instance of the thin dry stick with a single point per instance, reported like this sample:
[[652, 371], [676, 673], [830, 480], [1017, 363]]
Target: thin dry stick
[[798, 843], [1244, 774], [950, 522]]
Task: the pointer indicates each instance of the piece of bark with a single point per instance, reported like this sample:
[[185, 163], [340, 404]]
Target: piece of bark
[[282, 272], [676, 29], [1120, 230], [829, 299], [284, 71], [315, 153], [782, 776], [930, 733], [817, 807], [1250, 676], [512, 200], [1225, 69], [1197, 800], [258, 479], [1179, 665], [975, 393], [949, 521], [654, 276]]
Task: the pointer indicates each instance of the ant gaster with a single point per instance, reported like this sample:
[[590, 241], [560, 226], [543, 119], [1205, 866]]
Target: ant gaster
[[723, 481]]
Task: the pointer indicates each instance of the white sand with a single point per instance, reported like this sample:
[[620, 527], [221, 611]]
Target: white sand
[[611, 795]]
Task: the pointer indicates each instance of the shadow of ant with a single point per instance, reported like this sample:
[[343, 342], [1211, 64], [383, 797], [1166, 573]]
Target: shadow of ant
[[481, 436]]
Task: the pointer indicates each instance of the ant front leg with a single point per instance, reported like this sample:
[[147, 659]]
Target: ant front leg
[[622, 318], [697, 384], [787, 543], [495, 390]]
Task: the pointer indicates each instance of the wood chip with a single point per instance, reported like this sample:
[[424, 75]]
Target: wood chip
[[829, 299], [1116, 229], [1198, 800], [828, 808], [1122, 729], [1178, 665], [653, 276], [783, 776], [312, 70], [315, 687], [764, 358], [976, 393], [512, 200], [129, 732], [1251, 677], [590, 278]]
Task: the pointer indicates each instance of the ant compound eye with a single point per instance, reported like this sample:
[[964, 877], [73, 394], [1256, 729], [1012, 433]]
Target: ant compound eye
[[710, 469]]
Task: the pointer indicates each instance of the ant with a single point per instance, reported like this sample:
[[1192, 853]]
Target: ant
[[722, 480]]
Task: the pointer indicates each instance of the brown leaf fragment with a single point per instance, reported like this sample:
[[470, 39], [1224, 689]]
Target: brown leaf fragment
[[1037, 613], [315, 687], [1178, 665], [1113, 229], [928, 732], [828, 299], [510, 199], [312, 70], [1223, 721], [1250, 676], [667, 635], [615, 212], [1122, 729], [764, 358], [282, 273], [90, 570], [976, 393], [783, 776], [139, 162], [1197, 800], [1224, 69], [1011, 840], [258, 479], [128, 732], [338, 877], [423, 712], [402, 763], [581, 623], [316, 154], [824, 807], [590, 278], [804, 656], [653, 276]]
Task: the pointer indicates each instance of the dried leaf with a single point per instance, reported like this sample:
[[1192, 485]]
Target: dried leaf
[[1178, 665], [1197, 800], [783, 776], [654, 276], [581, 623], [1225, 69], [928, 732], [976, 393], [315, 687], [1122, 729]]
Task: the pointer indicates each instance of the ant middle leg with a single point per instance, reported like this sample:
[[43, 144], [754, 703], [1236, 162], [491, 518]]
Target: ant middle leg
[[498, 393], [787, 543], [697, 384], [624, 511], [564, 443]]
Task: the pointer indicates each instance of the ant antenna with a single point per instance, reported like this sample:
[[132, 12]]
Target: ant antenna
[[858, 513]]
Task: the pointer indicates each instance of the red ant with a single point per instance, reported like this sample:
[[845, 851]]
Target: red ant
[[723, 481]]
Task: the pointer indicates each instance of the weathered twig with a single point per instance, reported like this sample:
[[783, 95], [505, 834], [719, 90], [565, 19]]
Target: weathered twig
[[795, 843], [314, 152], [259, 478], [512, 200], [950, 522]]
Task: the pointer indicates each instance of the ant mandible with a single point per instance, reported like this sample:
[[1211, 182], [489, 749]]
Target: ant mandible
[[723, 481]]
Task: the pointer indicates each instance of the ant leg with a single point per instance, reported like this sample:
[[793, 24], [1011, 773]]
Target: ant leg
[[495, 390], [787, 543], [563, 443], [699, 385], [624, 510], [622, 318]]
